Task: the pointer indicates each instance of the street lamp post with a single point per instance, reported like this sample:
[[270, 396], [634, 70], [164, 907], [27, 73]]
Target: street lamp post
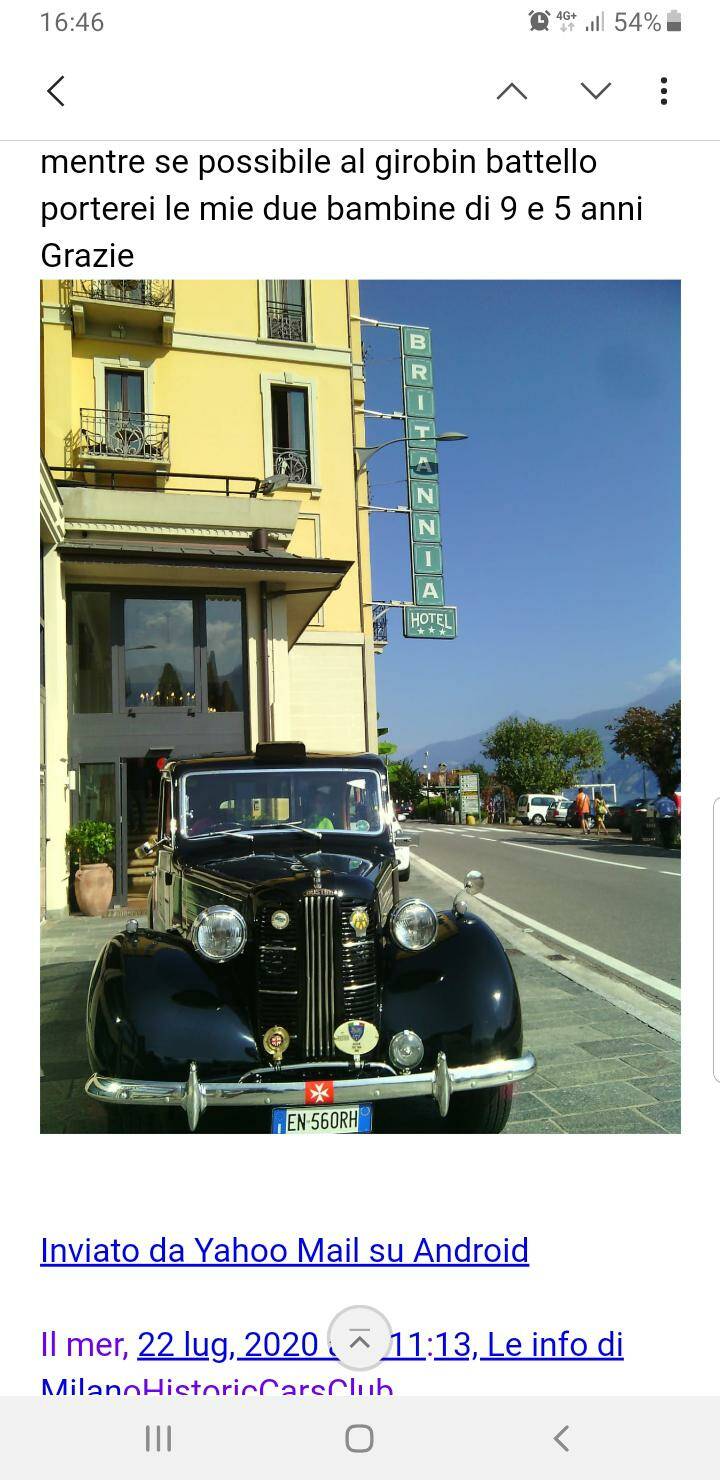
[[363, 454]]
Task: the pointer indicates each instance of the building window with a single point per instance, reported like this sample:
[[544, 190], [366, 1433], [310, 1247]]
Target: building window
[[286, 317], [125, 395], [159, 652], [91, 653], [96, 792], [291, 433], [154, 662], [225, 654]]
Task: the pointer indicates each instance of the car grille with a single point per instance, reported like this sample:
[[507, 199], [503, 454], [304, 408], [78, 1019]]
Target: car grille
[[317, 975]]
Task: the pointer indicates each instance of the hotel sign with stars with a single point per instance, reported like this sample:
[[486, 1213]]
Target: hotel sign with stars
[[427, 616]]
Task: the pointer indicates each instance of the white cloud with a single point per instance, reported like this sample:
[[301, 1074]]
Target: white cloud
[[652, 680]]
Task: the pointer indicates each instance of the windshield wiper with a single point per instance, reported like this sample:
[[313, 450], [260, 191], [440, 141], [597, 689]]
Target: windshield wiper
[[294, 826]]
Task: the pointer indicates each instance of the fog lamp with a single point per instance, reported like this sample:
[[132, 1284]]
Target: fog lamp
[[406, 1049], [219, 933]]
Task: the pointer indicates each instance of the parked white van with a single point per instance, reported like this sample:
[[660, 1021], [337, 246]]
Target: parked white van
[[533, 808]]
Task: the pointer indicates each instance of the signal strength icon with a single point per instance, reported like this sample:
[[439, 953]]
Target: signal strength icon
[[598, 24]]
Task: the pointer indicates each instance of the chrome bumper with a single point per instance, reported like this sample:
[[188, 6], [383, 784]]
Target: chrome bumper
[[196, 1095]]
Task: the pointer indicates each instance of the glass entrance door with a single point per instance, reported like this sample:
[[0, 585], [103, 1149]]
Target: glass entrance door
[[142, 790], [97, 799]]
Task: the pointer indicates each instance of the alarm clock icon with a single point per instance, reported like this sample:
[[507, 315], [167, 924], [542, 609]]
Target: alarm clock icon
[[539, 20]]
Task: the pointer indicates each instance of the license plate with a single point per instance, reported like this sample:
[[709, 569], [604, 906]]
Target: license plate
[[338, 1120]]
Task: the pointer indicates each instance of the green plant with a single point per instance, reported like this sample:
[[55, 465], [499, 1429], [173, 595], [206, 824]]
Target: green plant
[[405, 784], [430, 807], [90, 842], [652, 739], [531, 756]]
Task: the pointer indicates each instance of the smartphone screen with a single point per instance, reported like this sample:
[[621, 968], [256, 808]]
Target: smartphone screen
[[347, 1083]]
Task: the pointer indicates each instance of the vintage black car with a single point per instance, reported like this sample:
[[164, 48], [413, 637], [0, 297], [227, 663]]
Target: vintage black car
[[281, 972]]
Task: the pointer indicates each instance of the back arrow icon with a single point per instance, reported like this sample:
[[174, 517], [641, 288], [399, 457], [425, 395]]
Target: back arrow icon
[[557, 1438], [52, 87]]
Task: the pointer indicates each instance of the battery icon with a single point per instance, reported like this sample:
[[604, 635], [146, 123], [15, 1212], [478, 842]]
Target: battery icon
[[674, 20]]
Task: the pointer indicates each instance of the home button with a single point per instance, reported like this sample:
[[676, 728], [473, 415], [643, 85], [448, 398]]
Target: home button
[[359, 1438]]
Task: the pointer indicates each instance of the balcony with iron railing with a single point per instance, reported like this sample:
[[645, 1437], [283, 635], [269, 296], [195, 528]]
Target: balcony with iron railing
[[286, 320], [113, 438], [380, 625], [122, 307], [292, 463]]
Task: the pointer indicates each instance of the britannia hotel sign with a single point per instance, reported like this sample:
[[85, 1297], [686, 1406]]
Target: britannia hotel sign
[[427, 616]]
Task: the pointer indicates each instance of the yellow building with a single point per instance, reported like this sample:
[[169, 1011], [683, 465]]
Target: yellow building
[[205, 560]]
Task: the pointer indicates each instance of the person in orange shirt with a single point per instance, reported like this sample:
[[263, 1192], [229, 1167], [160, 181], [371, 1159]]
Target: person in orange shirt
[[582, 802]]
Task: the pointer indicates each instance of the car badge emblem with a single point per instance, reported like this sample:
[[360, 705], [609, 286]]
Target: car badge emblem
[[356, 1037], [317, 878], [320, 1092], [280, 919], [360, 921], [276, 1042]]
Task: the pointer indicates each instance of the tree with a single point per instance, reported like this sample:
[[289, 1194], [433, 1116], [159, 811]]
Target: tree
[[170, 686], [531, 756], [405, 784], [385, 747], [653, 739]]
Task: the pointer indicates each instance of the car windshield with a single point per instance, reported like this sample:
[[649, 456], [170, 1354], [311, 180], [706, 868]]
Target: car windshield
[[325, 800]]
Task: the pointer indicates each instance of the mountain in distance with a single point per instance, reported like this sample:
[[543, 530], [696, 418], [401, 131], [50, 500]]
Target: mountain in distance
[[627, 774]]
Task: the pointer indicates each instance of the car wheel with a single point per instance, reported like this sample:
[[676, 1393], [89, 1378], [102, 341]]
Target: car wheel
[[538, 820], [479, 1112]]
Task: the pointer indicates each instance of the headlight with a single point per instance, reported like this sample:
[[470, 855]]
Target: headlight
[[413, 925], [219, 933]]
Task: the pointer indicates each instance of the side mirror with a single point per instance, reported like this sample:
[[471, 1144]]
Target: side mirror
[[148, 849], [474, 882]]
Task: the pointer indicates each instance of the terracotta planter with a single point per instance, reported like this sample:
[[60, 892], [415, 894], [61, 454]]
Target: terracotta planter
[[93, 888]]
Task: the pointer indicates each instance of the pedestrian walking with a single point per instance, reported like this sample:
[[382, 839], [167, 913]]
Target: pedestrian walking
[[666, 821], [601, 808], [582, 802]]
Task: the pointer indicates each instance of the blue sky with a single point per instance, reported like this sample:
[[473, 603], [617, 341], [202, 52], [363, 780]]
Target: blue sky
[[560, 514]]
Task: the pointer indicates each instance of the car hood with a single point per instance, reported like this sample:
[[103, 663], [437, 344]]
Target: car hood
[[289, 875]]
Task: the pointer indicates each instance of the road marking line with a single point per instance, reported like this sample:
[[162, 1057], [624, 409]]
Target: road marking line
[[585, 857], [668, 990], [546, 848], [554, 852]]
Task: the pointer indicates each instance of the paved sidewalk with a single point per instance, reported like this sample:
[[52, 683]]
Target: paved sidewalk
[[599, 1069], [68, 951]]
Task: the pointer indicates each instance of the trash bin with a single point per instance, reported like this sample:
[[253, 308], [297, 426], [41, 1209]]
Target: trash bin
[[667, 828]]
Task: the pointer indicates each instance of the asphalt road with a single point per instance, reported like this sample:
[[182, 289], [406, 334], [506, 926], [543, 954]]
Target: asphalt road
[[619, 898]]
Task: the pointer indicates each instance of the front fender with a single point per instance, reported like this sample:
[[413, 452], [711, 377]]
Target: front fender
[[154, 1006], [460, 994]]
